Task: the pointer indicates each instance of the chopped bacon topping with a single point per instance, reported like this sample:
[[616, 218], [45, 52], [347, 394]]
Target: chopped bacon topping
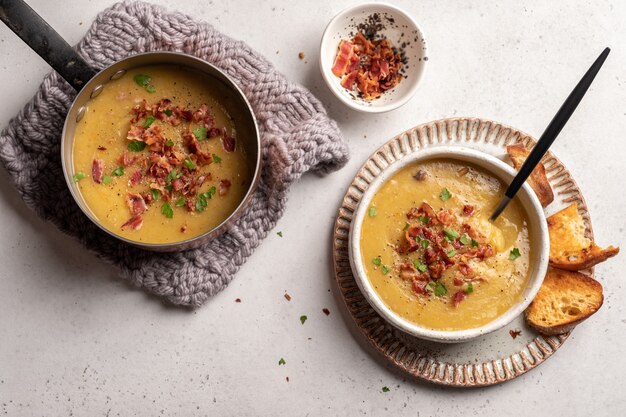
[[228, 143], [224, 187], [134, 223], [342, 60], [136, 203], [468, 210], [135, 133], [97, 170], [458, 297], [126, 160], [419, 286], [135, 178]]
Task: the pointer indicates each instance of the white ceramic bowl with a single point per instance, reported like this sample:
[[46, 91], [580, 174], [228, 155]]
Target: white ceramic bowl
[[399, 28], [539, 238]]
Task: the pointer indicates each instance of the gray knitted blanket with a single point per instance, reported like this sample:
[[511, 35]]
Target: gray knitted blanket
[[297, 136]]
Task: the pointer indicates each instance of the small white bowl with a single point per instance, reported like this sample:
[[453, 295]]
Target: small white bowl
[[539, 238], [399, 28]]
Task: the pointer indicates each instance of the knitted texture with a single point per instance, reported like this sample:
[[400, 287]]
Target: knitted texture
[[297, 136]]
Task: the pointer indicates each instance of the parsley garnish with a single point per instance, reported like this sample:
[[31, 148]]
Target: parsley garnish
[[424, 219], [377, 261], [144, 81], [150, 89], [180, 202], [470, 288], [79, 176], [149, 121], [419, 265], [406, 226], [280, 234], [136, 146], [425, 243], [190, 164], [445, 194], [168, 112], [201, 202], [169, 143], [106, 180], [372, 212], [386, 269], [385, 389], [200, 133], [464, 239], [171, 175], [167, 210], [217, 159], [450, 234], [155, 194], [118, 172], [440, 289], [451, 253], [474, 243], [303, 319], [514, 254], [281, 361]]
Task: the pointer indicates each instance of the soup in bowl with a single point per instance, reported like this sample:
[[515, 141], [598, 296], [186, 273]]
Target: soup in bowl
[[427, 257]]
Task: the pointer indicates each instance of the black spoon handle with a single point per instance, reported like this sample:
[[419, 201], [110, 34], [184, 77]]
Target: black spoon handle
[[555, 126], [41, 38]]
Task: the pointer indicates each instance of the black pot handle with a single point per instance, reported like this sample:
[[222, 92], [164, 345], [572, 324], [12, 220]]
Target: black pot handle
[[38, 34]]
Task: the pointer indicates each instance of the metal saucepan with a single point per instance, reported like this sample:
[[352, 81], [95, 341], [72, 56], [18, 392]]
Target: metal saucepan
[[29, 26]]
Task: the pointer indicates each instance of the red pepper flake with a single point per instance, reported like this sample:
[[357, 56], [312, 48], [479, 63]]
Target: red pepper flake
[[287, 297], [515, 333], [237, 300], [326, 311]]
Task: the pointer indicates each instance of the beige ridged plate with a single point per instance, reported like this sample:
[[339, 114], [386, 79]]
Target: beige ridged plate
[[491, 359]]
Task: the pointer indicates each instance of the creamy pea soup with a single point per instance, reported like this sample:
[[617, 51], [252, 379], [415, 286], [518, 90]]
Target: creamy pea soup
[[156, 156], [431, 252]]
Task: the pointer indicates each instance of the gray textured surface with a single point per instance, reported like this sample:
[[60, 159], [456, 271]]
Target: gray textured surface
[[76, 341], [297, 136]]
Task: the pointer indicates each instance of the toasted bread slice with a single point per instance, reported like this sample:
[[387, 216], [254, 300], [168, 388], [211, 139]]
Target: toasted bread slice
[[569, 247], [538, 180], [565, 299]]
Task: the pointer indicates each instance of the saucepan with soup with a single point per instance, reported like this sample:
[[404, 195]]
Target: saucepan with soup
[[160, 150], [428, 259]]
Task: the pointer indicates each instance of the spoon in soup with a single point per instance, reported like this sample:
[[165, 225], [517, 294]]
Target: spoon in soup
[[551, 132]]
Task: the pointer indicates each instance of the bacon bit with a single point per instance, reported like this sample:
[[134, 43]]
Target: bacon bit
[[190, 205], [468, 210], [102, 148], [342, 60], [463, 171], [420, 175], [446, 217], [147, 197], [223, 187], [237, 300], [326, 311], [140, 111], [458, 297], [136, 203], [183, 229], [154, 138], [135, 178], [458, 281], [287, 297], [125, 160], [134, 222], [228, 143], [408, 271], [464, 268], [135, 133], [419, 287], [515, 333], [97, 170]]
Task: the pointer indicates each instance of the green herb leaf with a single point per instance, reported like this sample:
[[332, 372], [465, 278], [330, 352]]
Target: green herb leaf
[[169, 188], [106, 180], [190, 164], [386, 269], [118, 172], [474, 243], [451, 253], [200, 133], [217, 159], [180, 202], [430, 286], [169, 143], [424, 219], [280, 234], [385, 389], [151, 89], [167, 210], [420, 266], [281, 361], [425, 243], [171, 175], [168, 112], [149, 121], [440, 289], [136, 146], [372, 212], [514, 254], [450, 234], [201, 203], [155, 194], [377, 261], [303, 319], [142, 79], [79, 176], [464, 239], [406, 226], [445, 194], [470, 288]]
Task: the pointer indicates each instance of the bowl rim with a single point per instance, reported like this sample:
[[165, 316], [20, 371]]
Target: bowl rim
[[329, 77], [487, 162]]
